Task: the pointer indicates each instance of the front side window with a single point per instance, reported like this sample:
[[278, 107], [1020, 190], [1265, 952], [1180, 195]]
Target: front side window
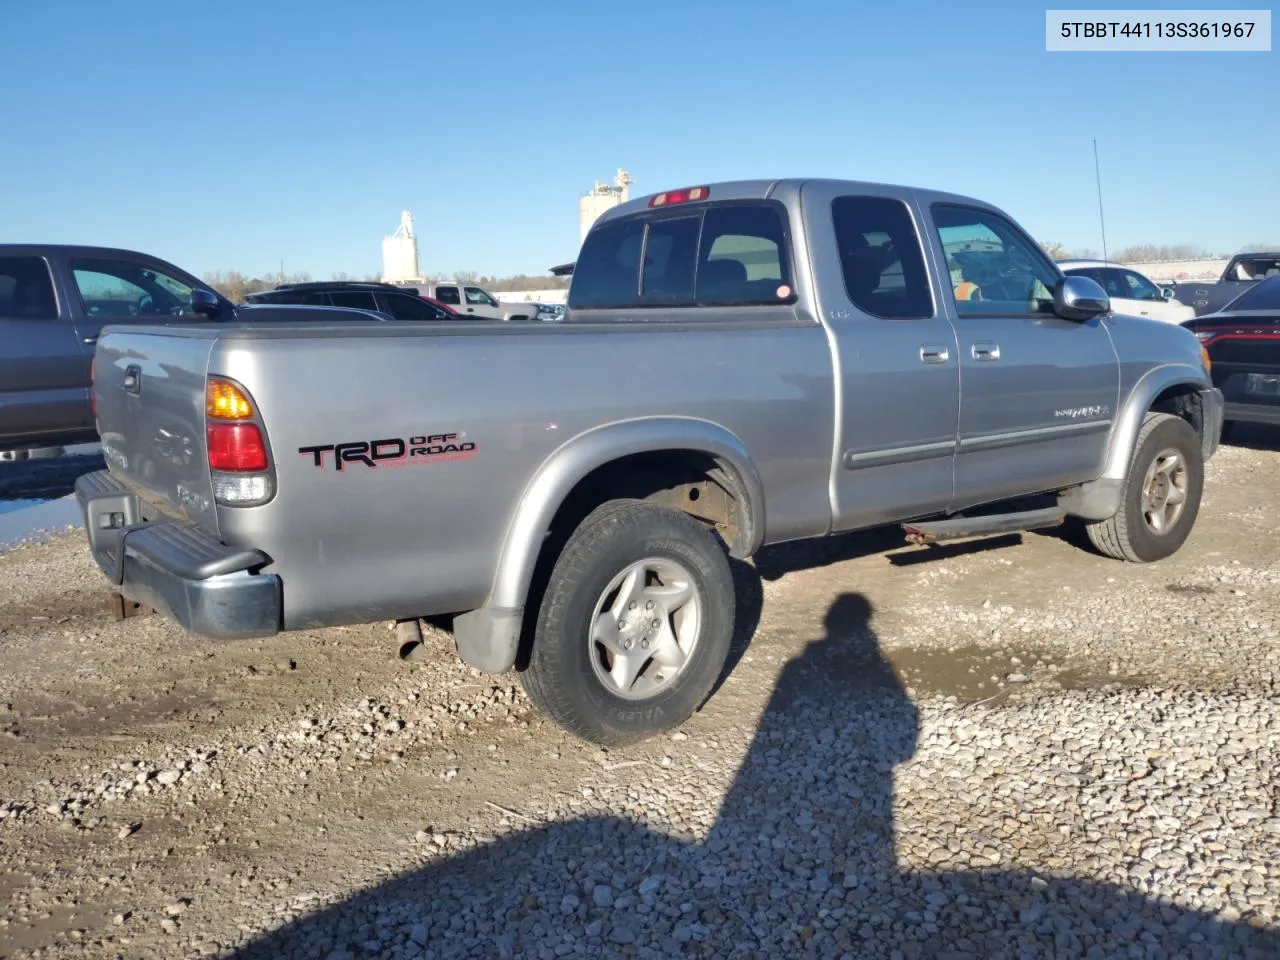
[[448, 295], [478, 297], [111, 288], [884, 273], [1140, 288], [1001, 272], [26, 291]]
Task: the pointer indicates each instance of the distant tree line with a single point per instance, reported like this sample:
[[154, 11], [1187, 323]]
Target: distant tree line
[[1143, 252]]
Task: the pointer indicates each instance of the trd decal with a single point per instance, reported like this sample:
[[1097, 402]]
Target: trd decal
[[392, 452]]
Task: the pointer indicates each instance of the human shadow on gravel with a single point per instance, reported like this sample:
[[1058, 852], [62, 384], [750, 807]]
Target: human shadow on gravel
[[800, 861]]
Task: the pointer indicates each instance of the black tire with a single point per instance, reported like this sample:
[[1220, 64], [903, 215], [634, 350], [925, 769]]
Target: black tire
[[1127, 535], [560, 678], [1228, 427]]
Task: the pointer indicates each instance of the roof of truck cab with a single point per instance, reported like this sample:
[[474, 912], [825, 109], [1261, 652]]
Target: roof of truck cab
[[764, 189]]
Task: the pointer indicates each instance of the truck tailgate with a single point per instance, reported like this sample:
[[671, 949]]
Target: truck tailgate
[[149, 387]]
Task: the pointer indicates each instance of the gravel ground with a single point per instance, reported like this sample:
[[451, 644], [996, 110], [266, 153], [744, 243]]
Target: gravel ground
[[1003, 749]]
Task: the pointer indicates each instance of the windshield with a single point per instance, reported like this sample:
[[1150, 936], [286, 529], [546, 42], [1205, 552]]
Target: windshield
[[1264, 295]]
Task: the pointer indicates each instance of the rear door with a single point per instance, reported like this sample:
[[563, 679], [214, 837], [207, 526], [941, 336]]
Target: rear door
[[1120, 292], [897, 379], [359, 299], [1038, 393], [404, 306], [449, 293], [44, 380]]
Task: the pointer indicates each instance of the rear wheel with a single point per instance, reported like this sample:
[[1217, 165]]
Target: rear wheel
[[635, 625], [1161, 497]]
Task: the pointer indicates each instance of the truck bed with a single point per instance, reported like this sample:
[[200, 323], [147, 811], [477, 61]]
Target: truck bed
[[767, 380]]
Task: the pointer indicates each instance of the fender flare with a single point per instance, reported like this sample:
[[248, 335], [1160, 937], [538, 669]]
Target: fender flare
[[1124, 433], [487, 638]]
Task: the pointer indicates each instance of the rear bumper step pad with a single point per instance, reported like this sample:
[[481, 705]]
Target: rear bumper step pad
[[177, 567]]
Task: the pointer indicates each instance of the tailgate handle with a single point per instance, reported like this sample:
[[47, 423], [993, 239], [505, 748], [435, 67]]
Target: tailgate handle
[[133, 379]]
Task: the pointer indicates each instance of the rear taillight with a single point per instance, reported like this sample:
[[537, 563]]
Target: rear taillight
[[236, 448], [239, 459]]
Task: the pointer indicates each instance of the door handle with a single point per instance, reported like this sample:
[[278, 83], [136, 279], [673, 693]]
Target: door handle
[[934, 354], [91, 340], [986, 351]]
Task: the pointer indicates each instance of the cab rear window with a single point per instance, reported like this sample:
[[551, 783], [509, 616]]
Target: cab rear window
[[728, 254]]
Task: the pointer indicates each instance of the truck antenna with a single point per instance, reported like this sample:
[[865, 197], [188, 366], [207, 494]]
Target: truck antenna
[[1097, 171]]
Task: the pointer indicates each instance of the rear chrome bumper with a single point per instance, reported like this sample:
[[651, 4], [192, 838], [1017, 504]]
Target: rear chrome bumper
[[176, 567]]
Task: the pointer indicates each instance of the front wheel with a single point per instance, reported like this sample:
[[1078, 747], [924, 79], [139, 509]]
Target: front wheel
[[635, 625], [1161, 497]]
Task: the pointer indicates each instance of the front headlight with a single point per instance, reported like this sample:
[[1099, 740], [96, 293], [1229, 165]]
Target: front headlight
[[1204, 358]]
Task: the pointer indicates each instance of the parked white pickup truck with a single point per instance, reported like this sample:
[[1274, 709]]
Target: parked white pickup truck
[[467, 298], [741, 364]]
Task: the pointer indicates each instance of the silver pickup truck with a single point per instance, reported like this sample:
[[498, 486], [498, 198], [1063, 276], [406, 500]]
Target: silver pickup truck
[[740, 364]]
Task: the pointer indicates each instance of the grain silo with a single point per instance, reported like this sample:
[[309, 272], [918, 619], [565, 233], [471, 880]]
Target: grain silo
[[400, 252], [602, 197]]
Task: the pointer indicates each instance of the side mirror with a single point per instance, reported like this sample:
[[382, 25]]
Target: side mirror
[[205, 303], [1079, 298], [1168, 293]]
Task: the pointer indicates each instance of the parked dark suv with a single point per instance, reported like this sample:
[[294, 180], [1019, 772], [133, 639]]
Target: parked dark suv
[[402, 303]]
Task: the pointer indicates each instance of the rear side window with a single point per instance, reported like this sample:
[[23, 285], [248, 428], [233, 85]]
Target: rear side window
[[26, 291], [1264, 296], [743, 256], [448, 295], [607, 272], [411, 308], [351, 298], [880, 256]]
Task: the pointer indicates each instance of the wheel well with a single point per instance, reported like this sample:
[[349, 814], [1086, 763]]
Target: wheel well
[[686, 480], [1182, 400], [691, 481]]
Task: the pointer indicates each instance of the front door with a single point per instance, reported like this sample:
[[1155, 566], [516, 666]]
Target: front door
[[480, 304], [1038, 393], [44, 383], [897, 382]]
